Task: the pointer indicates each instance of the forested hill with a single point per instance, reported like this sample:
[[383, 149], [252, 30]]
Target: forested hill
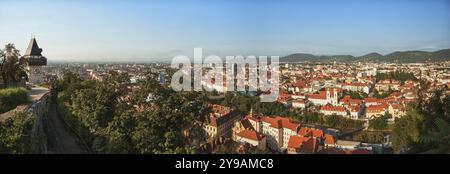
[[399, 56]]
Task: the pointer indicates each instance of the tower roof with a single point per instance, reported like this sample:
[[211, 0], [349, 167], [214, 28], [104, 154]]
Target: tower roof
[[33, 49], [33, 54]]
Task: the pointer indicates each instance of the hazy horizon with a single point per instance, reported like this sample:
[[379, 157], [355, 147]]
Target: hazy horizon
[[127, 31]]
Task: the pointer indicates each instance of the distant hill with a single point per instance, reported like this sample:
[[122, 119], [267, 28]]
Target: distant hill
[[370, 56], [398, 56]]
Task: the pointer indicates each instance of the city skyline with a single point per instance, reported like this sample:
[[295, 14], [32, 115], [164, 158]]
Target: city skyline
[[159, 30]]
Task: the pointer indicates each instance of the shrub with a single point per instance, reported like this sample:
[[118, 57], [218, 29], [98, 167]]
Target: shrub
[[15, 134], [10, 98]]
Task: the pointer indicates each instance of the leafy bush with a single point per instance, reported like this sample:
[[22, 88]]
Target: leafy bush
[[380, 123], [15, 134], [10, 98]]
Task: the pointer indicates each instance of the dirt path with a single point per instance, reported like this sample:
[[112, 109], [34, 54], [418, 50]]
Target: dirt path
[[61, 139]]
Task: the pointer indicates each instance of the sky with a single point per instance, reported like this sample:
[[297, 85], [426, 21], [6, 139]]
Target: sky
[[155, 30]]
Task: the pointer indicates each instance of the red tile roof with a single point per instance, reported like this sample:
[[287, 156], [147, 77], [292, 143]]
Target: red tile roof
[[284, 97], [281, 122], [329, 139], [304, 131], [296, 141], [310, 146], [251, 134], [317, 133], [333, 108], [353, 108], [372, 100], [303, 144], [309, 132], [320, 95], [377, 108]]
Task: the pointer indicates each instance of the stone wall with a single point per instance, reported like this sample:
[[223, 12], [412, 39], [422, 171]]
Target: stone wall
[[39, 111]]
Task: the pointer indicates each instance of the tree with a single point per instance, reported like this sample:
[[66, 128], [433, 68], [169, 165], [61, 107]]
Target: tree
[[355, 94], [120, 131], [269, 108], [425, 128], [87, 110], [438, 137], [381, 95], [12, 69], [15, 134], [406, 132], [332, 120], [380, 123], [397, 75], [154, 126], [369, 137]]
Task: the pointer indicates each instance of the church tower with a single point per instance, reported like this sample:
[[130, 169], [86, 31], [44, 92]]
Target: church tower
[[35, 61]]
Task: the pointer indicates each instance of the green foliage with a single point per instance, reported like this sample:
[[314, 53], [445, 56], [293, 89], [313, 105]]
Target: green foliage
[[397, 75], [438, 137], [12, 68], [381, 95], [369, 137], [425, 128], [407, 130], [270, 108], [15, 134], [245, 103], [333, 121], [10, 98], [380, 123], [110, 125], [342, 123], [435, 137], [354, 94]]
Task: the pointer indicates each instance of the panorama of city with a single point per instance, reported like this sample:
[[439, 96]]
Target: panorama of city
[[70, 89]]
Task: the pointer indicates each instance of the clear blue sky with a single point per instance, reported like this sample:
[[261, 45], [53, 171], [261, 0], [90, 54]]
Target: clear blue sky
[[160, 29]]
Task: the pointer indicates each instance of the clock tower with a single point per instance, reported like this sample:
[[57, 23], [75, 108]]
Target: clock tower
[[34, 61]]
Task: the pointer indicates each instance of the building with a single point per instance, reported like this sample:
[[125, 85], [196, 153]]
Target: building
[[285, 99], [355, 112], [302, 145], [372, 101], [35, 61], [396, 110], [221, 121], [347, 145], [277, 130], [311, 132], [253, 138], [329, 96], [300, 103], [357, 87], [377, 110], [333, 110]]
